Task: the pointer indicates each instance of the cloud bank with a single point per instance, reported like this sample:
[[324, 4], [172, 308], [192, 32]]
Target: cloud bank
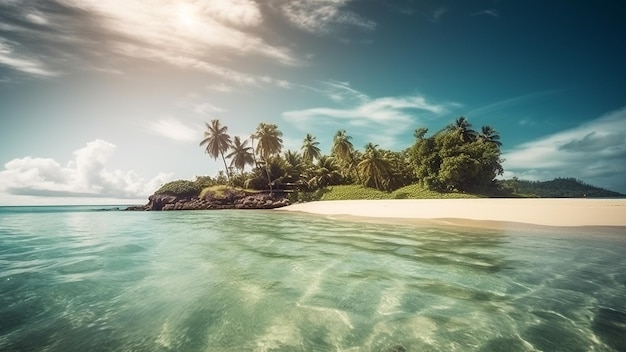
[[594, 152], [322, 16], [85, 175], [42, 39], [368, 117]]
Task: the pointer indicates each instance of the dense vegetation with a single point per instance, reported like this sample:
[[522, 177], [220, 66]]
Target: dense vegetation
[[181, 188], [455, 162], [557, 188], [414, 191], [455, 159]]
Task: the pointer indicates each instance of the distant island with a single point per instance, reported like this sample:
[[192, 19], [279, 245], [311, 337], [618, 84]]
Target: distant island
[[557, 188], [455, 162]]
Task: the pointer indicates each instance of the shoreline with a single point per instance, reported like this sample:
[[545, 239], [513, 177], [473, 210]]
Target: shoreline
[[481, 212]]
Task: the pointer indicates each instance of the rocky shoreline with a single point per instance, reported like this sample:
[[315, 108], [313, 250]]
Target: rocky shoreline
[[232, 200]]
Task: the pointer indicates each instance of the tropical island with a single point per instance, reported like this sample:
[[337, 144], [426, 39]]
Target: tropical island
[[454, 162]]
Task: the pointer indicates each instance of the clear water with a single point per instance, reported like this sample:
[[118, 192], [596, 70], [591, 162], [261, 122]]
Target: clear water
[[75, 279]]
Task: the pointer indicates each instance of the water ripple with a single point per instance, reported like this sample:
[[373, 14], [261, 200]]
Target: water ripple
[[267, 281]]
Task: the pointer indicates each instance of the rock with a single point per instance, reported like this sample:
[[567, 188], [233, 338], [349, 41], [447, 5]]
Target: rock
[[231, 200], [158, 201]]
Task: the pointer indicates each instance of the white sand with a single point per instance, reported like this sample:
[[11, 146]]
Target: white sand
[[549, 212]]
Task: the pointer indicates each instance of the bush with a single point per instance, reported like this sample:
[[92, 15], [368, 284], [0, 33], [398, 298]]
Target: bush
[[353, 192], [180, 188], [306, 196], [224, 192], [416, 191]]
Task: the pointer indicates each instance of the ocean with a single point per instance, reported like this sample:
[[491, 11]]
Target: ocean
[[91, 278]]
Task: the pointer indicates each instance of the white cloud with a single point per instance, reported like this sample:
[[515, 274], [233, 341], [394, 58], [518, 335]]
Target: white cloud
[[84, 176], [207, 109], [175, 130], [321, 16], [186, 33], [594, 152], [186, 28], [29, 65], [37, 18], [342, 92], [236, 12], [381, 111], [369, 117]]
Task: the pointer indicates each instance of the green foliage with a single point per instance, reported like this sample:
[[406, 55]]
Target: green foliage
[[458, 171], [180, 188], [216, 141], [456, 158], [205, 181], [452, 162], [241, 154], [269, 141], [348, 192], [324, 173], [306, 196], [375, 168], [345, 192], [223, 191], [448, 161], [310, 149], [416, 191]]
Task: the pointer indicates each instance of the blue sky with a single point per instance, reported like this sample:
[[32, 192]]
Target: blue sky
[[103, 101]]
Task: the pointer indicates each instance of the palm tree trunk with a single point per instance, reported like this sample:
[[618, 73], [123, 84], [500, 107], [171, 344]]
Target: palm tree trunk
[[269, 178], [226, 167], [356, 170], [256, 163]]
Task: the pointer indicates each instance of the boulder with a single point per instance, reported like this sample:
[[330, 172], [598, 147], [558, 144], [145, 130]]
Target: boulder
[[232, 200], [137, 208], [158, 201]]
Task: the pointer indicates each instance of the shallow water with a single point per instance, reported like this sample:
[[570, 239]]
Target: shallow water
[[75, 279]]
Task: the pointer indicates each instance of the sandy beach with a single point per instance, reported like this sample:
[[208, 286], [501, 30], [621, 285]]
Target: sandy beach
[[478, 212]]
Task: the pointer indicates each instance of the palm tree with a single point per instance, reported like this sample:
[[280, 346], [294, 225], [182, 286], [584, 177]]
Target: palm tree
[[375, 168], [269, 142], [464, 128], [241, 154], [217, 141], [294, 168], [489, 135], [344, 151], [325, 173], [310, 149], [342, 146]]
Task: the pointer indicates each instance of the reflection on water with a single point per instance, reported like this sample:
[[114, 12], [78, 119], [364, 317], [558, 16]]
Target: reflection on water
[[267, 281]]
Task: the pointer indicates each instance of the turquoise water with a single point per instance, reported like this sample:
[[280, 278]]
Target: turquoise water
[[79, 279]]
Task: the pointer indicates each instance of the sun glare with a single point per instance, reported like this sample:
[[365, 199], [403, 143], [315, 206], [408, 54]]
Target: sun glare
[[186, 16]]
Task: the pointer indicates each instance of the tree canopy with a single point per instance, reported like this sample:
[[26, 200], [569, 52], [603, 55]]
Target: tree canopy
[[216, 141], [456, 158]]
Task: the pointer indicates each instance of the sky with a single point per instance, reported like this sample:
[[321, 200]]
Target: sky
[[104, 101]]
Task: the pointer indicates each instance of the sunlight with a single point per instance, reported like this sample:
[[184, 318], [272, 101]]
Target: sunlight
[[186, 15]]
